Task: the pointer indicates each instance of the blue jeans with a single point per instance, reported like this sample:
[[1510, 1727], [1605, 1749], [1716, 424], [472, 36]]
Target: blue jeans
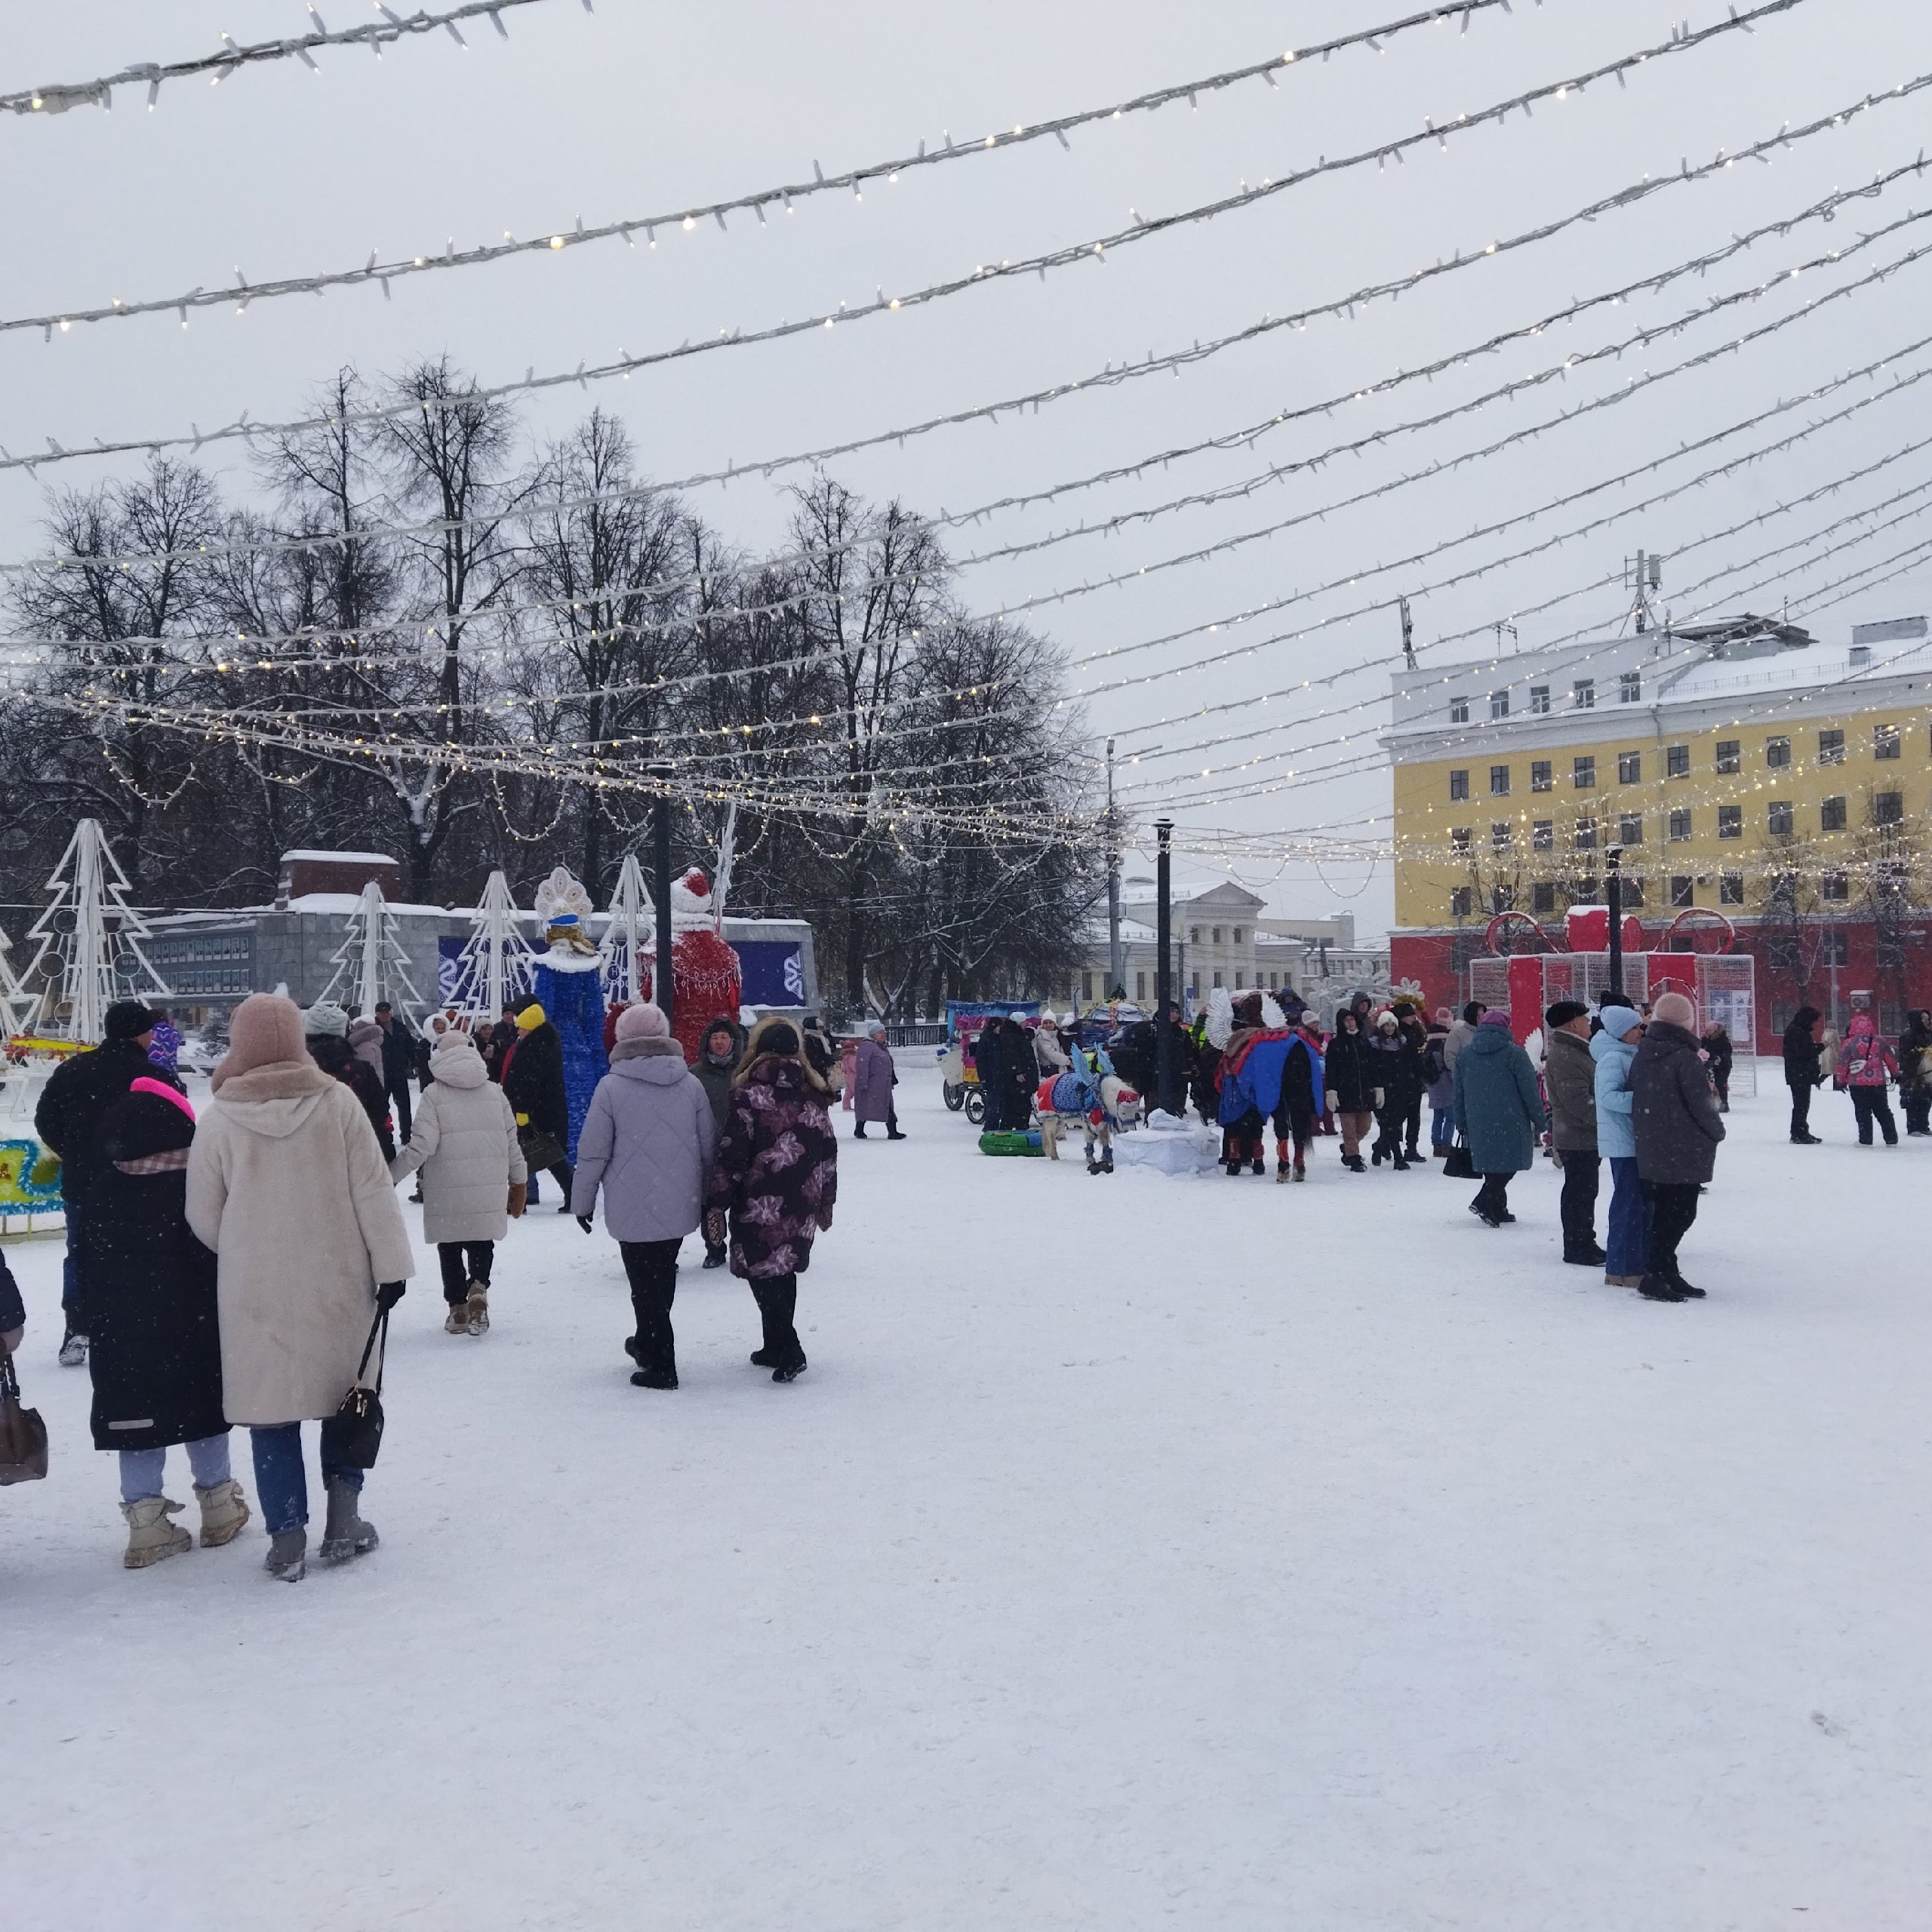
[[142, 1470], [1627, 1237], [1441, 1128], [280, 1479], [70, 1267]]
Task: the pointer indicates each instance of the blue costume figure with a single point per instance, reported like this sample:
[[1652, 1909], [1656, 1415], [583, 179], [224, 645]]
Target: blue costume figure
[[569, 985]]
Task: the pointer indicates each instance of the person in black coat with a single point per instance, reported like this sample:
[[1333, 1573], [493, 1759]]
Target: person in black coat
[[148, 1292], [534, 1085], [1678, 1131], [71, 1104], [340, 1061], [402, 1050], [989, 1062], [1022, 1076], [1395, 1062], [1803, 1072], [1348, 1068], [1719, 1056]]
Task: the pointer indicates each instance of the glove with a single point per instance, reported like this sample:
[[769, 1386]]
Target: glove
[[389, 1293], [1334, 1103], [1378, 1100], [584, 1221], [519, 1196]]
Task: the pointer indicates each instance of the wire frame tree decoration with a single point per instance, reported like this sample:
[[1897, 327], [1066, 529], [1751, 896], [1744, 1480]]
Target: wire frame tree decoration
[[627, 938], [16, 1003], [370, 965], [91, 938], [493, 971]]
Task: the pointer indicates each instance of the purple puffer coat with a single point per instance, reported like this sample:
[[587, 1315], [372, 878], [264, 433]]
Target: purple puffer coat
[[777, 1171], [646, 1143], [872, 1085]]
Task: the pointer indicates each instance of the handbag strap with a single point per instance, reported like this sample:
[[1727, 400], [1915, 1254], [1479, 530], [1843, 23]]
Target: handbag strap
[[380, 1326], [10, 1383]]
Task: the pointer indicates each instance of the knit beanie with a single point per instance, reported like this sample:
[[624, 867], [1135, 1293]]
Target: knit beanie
[[128, 1020], [326, 1020], [1674, 1010], [1495, 1017], [265, 1029], [643, 1022]]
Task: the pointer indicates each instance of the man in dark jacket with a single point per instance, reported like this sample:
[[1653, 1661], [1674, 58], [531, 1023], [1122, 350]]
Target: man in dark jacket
[[717, 1066], [1569, 1074], [72, 1103], [534, 1085], [1678, 1131], [989, 1062], [1802, 1073], [401, 1050]]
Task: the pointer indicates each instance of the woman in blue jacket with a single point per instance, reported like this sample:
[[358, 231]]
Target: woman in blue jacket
[[1627, 1241]]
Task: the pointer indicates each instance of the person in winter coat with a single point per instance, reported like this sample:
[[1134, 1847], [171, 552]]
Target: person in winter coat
[[1868, 1064], [873, 1079], [532, 1077], [1719, 1057], [1022, 1076], [288, 1184], [13, 1311], [1613, 1048], [473, 1178], [1049, 1049], [717, 1062], [1569, 1074], [1804, 1072], [1397, 1070], [1416, 1036], [776, 1177], [989, 1063], [1349, 1071], [1498, 1113], [72, 1104], [647, 1144], [325, 1029], [365, 1042], [1915, 1072], [1678, 1131], [1462, 1033], [401, 1050], [821, 1056], [149, 1291], [1440, 1091]]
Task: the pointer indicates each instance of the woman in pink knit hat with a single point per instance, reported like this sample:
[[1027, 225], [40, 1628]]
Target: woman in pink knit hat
[[287, 1184]]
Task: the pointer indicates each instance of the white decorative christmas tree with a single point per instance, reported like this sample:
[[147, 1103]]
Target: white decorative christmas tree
[[370, 965], [16, 1004], [629, 937], [90, 939], [493, 971]]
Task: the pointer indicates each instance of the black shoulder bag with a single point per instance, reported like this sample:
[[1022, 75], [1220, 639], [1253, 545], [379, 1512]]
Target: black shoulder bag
[[354, 1434]]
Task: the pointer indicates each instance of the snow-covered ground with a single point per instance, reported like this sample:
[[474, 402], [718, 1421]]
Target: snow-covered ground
[[1136, 1552]]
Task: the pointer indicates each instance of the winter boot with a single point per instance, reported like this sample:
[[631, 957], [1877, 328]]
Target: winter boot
[[763, 1358], [894, 1133], [477, 1308], [714, 1257], [224, 1510], [790, 1371], [655, 1378], [151, 1537], [1659, 1287], [74, 1350], [859, 1131], [1354, 1163], [1401, 1163], [456, 1322], [1684, 1287], [346, 1534], [1107, 1160], [287, 1559]]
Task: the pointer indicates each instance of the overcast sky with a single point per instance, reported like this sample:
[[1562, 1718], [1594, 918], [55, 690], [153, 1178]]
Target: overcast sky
[[638, 108]]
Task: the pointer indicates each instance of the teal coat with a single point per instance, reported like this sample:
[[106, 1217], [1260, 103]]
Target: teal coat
[[1499, 1111]]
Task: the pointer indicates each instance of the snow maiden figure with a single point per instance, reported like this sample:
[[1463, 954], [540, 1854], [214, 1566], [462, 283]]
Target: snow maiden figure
[[569, 987]]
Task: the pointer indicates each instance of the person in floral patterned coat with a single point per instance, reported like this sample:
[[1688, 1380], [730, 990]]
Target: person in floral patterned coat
[[775, 1177]]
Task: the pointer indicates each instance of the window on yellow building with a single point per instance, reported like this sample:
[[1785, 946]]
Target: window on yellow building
[[1730, 888], [1458, 785], [1629, 767], [1835, 888], [1777, 819], [1541, 778], [1633, 893], [1831, 815], [1543, 898], [1680, 825], [1888, 807], [1630, 828], [1677, 761], [1830, 748], [1730, 821], [1683, 890], [1459, 901], [1730, 757], [1777, 752], [1586, 835], [1502, 834], [1884, 741], [1584, 772], [1458, 839], [1542, 835], [1498, 781]]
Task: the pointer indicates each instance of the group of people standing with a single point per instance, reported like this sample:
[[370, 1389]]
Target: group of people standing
[[239, 1267], [1864, 1065]]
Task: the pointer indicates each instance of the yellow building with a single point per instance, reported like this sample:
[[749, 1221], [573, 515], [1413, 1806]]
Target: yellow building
[[1741, 769]]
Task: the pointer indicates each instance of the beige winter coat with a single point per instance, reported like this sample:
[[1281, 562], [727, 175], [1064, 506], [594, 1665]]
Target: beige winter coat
[[287, 1184], [464, 1139]]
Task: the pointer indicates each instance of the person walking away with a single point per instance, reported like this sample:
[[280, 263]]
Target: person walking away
[[533, 1084], [288, 1184], [776, 1177], [325, 1030], [473, 1174], [646, 1145], [1719, 1055], [1396, 1072], [1462, 1033], [71, 1104], [1351, 1086], [716, 1062], [1915, 1072], [1441, 1090], [873, 1079], [149, 1290], [402, 1051], [1498, 1113], [1868, 1064], [1570, 1073], [1678, 1131], [1804, 1073], [1613, 1048], [365, 1041], [989, 1062]]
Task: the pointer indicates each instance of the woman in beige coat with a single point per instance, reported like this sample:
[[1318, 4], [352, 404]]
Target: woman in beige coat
[[287, 1184], [464, 1139]]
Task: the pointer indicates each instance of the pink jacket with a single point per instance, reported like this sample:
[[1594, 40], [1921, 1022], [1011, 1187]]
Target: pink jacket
[[1868, 1060]]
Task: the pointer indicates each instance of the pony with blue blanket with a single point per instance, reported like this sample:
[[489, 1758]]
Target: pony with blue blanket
[[1092, 1093], [1270, 1074]]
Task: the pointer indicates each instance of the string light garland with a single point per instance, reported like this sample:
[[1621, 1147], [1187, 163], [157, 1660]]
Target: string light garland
[[585, 374], [216, 68]]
